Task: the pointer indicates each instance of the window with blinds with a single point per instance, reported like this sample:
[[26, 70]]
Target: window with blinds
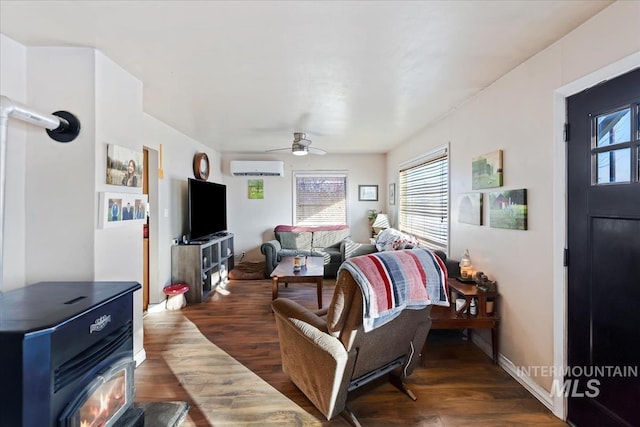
[[320, 198], [424, 200]]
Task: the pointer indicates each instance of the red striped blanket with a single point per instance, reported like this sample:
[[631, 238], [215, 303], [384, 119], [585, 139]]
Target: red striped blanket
[[394, 280]]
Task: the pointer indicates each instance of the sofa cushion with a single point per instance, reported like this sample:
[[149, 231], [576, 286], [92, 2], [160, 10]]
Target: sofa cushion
[[331, 255], [329, 238], [294, 240]]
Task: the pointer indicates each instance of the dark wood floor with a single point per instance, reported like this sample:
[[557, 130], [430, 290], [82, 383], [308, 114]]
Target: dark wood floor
[[458, 385]]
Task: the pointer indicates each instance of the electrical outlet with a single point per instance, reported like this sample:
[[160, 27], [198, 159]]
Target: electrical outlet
[[243, 253]]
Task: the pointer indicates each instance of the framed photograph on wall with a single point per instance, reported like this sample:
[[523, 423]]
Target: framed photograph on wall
[[392, 194], [368, 193], [124, 166], [117, 209]]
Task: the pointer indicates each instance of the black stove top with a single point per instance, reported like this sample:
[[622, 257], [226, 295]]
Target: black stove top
[[45, 305]]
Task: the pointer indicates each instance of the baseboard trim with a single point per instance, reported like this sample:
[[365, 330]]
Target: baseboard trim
[[140, 357], [525, 380]]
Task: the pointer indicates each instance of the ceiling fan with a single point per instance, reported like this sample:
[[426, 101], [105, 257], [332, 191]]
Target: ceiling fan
[[301, 146]]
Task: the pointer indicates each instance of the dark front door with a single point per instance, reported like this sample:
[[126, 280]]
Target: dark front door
[[604, 254]]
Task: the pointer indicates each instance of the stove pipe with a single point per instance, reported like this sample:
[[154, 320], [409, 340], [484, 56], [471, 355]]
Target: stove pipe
[[61, 126]]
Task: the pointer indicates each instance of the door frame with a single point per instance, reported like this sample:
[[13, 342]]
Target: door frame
[[155, 289], [559, 200]]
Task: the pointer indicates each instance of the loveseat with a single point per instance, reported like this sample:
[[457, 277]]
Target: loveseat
[[393, 240], [321, 241]]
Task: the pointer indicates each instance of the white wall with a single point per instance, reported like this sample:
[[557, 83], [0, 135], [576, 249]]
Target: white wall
[[252, 221], [13, 84], [118, 120], [178, 152], [516, 114], [60, 208]]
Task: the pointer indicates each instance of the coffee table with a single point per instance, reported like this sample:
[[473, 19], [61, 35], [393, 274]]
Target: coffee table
[[313, 272]]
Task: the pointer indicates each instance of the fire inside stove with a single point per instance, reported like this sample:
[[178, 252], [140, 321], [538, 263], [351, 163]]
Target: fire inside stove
[[105, 402], [105, 399]]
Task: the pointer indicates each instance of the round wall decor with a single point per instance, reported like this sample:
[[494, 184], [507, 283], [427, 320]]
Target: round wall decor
[[201, 166]]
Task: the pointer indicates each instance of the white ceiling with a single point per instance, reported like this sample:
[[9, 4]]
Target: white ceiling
[[358, 76]]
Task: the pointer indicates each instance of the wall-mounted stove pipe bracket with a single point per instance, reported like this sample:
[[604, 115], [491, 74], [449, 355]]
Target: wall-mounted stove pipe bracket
[[61, 126]]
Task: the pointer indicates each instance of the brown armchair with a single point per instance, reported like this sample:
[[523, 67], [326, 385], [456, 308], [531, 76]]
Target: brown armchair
[[327, 354]]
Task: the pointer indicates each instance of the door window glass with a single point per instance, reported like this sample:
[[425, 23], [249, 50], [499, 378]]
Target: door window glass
[[614, 128], [613, 166], [615, 152]]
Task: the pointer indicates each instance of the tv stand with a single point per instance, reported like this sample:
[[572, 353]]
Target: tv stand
[[202, 265]]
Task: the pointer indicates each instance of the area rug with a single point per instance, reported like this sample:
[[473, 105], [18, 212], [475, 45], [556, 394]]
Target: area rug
[[219, 388], [248, 270]]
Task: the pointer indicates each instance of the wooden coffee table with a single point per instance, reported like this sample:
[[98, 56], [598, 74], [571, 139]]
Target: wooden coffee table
[[313, 272]]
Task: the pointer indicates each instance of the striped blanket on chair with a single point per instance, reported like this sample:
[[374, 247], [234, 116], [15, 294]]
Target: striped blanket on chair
[[394, 280]]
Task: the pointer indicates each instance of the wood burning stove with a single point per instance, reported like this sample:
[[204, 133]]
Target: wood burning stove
[[66, 354]]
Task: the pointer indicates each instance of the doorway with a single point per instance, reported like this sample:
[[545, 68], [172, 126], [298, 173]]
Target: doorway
[[152, 293], [603, 235], [145, 233]]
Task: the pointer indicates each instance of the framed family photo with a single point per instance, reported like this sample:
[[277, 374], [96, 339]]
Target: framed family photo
[[118, 209]]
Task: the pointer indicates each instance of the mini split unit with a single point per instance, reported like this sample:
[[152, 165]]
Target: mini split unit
[[257, 168]]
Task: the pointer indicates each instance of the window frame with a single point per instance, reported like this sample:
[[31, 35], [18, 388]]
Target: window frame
[[313, 174], [433, 155], [633, 145]]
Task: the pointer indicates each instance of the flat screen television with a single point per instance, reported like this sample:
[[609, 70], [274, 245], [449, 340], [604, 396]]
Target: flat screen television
[[207, 206]]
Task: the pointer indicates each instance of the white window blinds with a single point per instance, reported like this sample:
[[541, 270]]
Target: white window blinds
[[424, 200], [320, 199]]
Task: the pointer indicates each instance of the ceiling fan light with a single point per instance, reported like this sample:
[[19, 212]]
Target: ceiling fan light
[[299, 150]]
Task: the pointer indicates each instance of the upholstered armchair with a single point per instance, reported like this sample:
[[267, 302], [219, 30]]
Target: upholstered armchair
[[328, 354]]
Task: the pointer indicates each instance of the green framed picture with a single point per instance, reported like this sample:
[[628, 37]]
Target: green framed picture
[[486, 170], [256, 189], [508, 209]]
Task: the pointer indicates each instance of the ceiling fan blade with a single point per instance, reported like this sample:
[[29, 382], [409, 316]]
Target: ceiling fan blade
[[278, 149], [317, 151]]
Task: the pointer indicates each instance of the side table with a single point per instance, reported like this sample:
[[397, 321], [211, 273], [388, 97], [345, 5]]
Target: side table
[[449, 318]]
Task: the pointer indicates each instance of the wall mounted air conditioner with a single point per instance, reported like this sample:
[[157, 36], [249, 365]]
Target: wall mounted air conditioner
[[257, 168]]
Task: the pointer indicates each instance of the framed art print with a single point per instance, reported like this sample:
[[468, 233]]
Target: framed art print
[[508, 209], [486, 171], [368, 193], [470, 208], [392, 194]]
